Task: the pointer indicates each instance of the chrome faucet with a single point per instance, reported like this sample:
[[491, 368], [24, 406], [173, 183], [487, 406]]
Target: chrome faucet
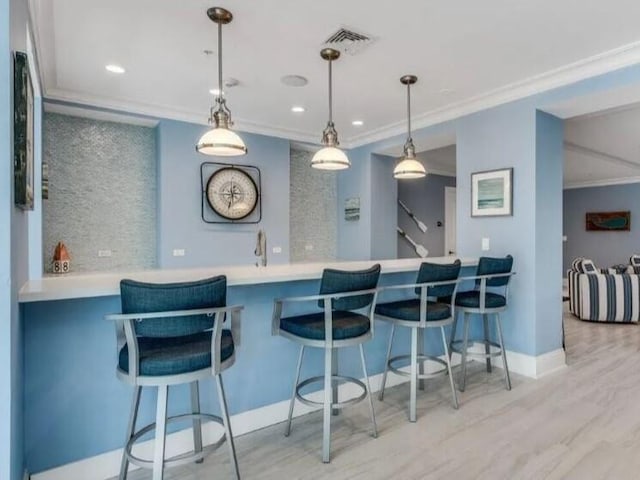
[[261, 248]]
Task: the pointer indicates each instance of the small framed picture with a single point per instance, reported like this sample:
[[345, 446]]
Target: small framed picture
[[492, 193]]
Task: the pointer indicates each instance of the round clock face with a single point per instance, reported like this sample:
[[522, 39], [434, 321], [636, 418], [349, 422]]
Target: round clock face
[[232, 193]]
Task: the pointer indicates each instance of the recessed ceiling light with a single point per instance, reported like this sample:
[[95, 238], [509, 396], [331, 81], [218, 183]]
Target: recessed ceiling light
[[114, 68], [297, 109], [294, 80], [357, 123]]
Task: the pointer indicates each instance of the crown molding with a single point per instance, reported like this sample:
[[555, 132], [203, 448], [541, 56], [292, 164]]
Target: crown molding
[[165, 112], [599, 64], [602, 183], [595, 65]]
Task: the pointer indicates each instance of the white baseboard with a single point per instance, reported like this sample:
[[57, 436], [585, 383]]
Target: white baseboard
[[107, 465]]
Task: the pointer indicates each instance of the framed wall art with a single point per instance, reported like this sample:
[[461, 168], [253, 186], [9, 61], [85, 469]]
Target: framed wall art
[[23, 110], [608, 221], [492, 193]]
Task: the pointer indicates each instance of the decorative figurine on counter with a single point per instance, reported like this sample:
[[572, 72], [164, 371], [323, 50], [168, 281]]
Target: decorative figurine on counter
[[61, 259]]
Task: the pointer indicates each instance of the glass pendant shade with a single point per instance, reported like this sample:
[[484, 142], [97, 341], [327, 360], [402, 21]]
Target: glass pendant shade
[[330, 158], [409, 168], [221, 142]]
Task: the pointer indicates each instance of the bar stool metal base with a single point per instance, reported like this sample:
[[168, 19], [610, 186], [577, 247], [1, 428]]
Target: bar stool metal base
[[416, 362], [336, 380], [421, 358], [462, 346], [330, 405], [181, 459]]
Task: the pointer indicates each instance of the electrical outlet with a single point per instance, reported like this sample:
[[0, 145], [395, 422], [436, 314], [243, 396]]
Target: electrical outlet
[[485, 244], [277, 250], [308, 247], [104, 253], [178, 252]]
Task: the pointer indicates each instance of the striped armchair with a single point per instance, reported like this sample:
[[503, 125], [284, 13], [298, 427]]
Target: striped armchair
[[603, 297]]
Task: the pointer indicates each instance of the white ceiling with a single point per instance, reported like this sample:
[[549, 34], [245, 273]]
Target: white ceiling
[[481, 52], [603, 148]]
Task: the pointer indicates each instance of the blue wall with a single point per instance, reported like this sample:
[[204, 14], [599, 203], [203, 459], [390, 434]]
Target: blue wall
[[180, 225], [354, 237], [604, 248], [549, 176], [384, 198], [503, 137]]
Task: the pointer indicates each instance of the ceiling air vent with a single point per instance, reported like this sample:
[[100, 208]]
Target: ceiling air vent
[[348, 41]]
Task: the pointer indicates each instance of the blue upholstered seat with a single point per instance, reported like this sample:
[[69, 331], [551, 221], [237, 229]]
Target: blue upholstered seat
[[406, 313], [345, 325], [174, 355], [471, 299], [168, 345], [410, 310], [344, 319]]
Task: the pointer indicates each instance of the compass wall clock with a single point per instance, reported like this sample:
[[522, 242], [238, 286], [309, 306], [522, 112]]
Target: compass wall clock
[[230, 193]]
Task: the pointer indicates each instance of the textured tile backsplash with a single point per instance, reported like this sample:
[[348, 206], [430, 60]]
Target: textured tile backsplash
[[102, 193], [313, 210]]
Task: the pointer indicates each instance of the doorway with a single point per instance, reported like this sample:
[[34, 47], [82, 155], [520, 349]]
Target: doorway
[[450, 221]]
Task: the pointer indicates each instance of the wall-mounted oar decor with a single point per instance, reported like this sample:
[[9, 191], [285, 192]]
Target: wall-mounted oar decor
[[420, 250]]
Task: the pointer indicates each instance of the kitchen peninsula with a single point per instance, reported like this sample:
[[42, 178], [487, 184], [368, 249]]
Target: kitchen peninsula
[[71, 390]]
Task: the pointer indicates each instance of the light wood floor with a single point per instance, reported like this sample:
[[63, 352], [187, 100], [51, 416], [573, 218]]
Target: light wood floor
[[581, 423]]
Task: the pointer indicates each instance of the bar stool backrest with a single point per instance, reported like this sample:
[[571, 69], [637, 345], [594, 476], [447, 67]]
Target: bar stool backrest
[[140, 297], [341, 281], [489, 265], [435, 272]]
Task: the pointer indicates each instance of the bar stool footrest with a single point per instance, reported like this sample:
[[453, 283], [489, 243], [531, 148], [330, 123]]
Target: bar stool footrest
[[456, 346], [335, 379], [184, 458], [438, 373]]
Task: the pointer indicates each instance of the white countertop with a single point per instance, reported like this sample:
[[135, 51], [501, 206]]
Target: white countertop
[[87, 285]]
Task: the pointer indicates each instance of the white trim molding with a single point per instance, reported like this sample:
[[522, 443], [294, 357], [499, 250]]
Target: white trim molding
[[598, 64], [602, 183], [107, 465]]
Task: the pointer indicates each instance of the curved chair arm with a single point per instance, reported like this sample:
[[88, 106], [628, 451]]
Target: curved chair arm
[[125, 331], [328, 307], [424, 297], [483, 284]]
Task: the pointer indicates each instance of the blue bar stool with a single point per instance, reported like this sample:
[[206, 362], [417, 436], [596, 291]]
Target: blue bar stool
[[347, 300], [494, 274], [170, 334], [419, 314]]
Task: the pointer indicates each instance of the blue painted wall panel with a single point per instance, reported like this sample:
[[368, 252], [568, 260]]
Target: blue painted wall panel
[[180, 224]]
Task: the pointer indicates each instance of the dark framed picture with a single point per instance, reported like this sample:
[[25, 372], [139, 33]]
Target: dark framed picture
[[23, 110], [492, 193], [608, 221]]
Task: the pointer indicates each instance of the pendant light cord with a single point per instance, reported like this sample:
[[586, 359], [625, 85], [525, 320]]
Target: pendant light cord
[[409, 111], [220, 61], [330, 94]]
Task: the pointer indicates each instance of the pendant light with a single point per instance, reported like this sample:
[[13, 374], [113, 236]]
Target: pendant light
[[409, 166], [330, 157], [220, 140]]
